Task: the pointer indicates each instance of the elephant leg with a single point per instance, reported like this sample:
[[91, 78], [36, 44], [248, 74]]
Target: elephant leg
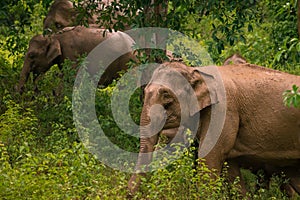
[[225, 142], [288, 189], [295, 182], [234, 171], [293, 186]]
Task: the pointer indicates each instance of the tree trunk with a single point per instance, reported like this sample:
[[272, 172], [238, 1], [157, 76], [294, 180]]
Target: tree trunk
[[155, 16]]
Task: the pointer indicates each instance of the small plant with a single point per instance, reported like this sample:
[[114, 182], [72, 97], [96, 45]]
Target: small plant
[[186, 178], [292, 97]]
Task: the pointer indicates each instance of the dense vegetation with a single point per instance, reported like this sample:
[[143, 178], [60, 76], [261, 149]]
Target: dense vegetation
[[41, 156]]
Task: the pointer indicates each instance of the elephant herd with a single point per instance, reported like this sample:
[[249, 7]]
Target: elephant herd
[[258, 132], [67, 41]]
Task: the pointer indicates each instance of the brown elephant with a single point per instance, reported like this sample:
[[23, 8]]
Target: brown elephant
[[291, 187], [257, 127], [235, 59], [72, 42], [63, 14]]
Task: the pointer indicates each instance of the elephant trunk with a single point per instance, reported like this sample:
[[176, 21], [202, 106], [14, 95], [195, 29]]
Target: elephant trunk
[[144, 159], [148, 139], [24, 75]]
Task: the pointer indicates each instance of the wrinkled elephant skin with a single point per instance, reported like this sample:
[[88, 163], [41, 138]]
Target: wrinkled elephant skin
[[258, 127]]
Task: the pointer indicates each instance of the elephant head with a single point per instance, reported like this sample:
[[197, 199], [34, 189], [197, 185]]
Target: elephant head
[[173, 98], [235, 59], [61, 14], [43, 52]]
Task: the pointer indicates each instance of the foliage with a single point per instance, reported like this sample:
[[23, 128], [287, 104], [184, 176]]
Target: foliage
[[226, 27], [292, 97], [19, 21], [284, 32], [186, 177], [18, 131]]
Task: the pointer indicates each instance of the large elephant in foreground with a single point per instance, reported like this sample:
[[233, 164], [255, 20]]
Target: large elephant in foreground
[[63, 14], [71, 43], [258, 128]]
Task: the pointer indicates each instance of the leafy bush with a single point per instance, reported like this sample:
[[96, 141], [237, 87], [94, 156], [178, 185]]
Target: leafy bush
[[186, 178], [18, 131], [292, 97]]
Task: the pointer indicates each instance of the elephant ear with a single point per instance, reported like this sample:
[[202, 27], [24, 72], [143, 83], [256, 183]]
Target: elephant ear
[[53, 50], [205, 88]]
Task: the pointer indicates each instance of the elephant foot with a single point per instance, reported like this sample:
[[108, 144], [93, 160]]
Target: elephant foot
[[292, 188]]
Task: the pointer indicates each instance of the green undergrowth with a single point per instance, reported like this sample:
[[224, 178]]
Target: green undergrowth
[[42, 156]]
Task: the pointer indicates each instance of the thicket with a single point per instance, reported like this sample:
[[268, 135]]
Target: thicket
[[41, 156]]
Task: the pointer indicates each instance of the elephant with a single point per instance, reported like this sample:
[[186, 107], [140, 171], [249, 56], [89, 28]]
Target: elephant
[[257, 126], [235, 59], [72, 42], [293, 186], [63, 14]]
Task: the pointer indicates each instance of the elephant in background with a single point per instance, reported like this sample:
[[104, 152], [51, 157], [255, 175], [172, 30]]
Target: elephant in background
[[235, 59], [258, 128], [63, 14], [72, 42]]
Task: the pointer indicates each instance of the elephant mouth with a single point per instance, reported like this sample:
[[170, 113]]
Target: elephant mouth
[[172, 122]]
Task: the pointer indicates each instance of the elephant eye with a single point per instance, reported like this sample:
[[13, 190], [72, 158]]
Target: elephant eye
[[165, 93], [166, 105], [166, 97]]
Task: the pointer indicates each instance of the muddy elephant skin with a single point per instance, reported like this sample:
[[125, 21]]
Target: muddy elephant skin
[[258, 127], [72, 42]]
